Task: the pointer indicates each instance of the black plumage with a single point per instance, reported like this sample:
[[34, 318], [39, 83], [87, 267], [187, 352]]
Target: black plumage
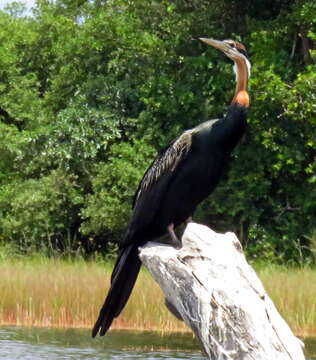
[[183, 174]]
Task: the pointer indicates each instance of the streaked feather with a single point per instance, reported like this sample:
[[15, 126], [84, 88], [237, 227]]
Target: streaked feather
[[166, 161]]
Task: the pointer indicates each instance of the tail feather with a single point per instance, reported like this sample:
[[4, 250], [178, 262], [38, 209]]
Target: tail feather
[[123, 278]]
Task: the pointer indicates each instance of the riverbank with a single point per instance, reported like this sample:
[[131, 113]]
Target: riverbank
[[38, 291]]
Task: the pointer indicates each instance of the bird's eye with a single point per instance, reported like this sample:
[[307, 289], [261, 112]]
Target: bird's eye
[[231, 44]]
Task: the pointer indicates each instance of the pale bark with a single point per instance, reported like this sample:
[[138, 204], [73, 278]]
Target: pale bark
[[210, 285]]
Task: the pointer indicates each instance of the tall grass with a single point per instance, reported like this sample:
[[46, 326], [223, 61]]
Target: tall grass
[[47, 292], [39, 291], [293, 291]]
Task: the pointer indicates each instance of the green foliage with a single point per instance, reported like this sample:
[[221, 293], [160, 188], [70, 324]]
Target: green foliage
[[90, 90], [39, 212], [79, 135], [113, 187]]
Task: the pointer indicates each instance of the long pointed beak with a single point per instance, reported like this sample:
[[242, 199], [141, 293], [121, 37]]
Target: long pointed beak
[[221, 45]]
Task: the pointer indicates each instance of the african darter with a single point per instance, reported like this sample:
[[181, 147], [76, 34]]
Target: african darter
[[183, 174]]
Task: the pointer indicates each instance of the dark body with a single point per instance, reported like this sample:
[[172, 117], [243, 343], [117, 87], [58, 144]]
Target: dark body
[[174, 195], [184, 174]]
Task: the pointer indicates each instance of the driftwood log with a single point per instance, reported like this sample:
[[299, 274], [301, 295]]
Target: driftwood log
[[211, 287]]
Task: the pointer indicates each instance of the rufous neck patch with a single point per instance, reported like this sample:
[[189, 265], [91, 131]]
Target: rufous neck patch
[[242, 98]]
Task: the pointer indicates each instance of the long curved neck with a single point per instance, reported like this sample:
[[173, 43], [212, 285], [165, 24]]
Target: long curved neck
[[234, 124], [241, 95]]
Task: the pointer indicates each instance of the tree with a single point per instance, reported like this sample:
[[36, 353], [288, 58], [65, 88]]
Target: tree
[[91, 90]]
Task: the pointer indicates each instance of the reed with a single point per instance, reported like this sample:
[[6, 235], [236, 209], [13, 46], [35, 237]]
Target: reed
[[59, 293], [39, 291], [293, 291]]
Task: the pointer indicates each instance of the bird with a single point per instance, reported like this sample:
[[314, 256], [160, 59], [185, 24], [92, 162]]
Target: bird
[[182, 175]]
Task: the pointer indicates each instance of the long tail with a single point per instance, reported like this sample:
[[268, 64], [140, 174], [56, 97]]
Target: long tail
[[123, 278]]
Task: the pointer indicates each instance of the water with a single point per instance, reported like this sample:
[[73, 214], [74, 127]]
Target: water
[[55, 344]]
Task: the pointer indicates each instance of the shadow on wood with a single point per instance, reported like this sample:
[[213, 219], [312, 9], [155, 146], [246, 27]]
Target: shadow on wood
[[209, 284]]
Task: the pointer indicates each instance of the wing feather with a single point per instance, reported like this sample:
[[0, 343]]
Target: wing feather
[[166, 162], [157, 179]]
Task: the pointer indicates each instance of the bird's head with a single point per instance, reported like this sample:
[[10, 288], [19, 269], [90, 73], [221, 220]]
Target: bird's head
[[236, 52], [231, 48]]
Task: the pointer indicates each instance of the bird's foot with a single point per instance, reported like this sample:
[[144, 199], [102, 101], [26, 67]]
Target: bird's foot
[[188, 220], [175, 242]]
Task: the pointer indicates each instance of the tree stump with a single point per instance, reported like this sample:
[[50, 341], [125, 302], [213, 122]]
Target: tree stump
[[209, 284]]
